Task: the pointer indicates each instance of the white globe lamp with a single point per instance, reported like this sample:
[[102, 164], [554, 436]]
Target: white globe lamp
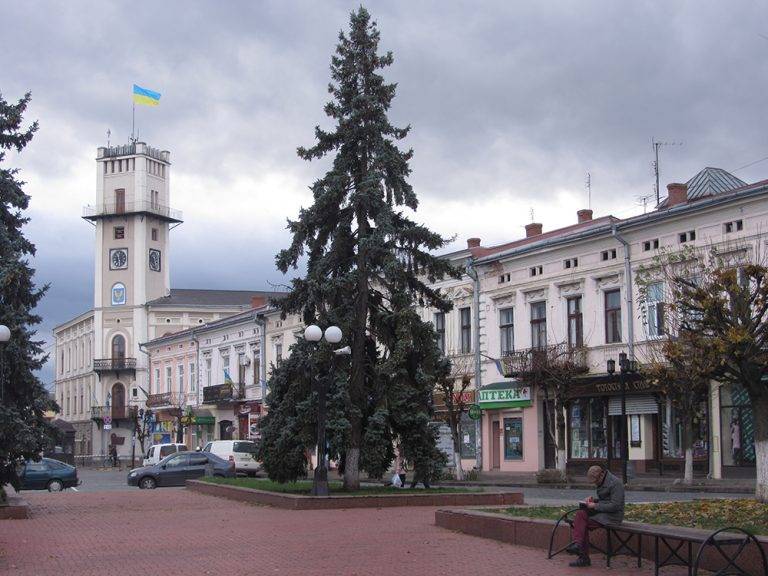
[[313, 333], [333, 334], [5, 333]]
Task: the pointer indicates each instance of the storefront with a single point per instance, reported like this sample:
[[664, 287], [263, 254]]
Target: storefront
[[510, 427], [248, 414], [199, 426], [737, 433]]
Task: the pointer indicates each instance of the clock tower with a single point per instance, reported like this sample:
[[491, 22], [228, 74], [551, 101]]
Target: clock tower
[[132, 220]]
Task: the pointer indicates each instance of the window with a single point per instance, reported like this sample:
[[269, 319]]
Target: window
[[612, 316], [575, 323], [513, 438], [465, 333], [120, 201], [158, 384], [504, 278], [154, 234], [439, 319], [118, 347], [571, 263], [689, 236], [279, 353], [655, 318], [608, 254], [119, 232], [192, 379], [177, 461], [735, 226], [256, 368], [539, 325], [168, 378], [649, 245], [155, 199], [180, 375], [507, 330], [207, 371], [589, 426], [537, 270], [468, 437], [241, 368]]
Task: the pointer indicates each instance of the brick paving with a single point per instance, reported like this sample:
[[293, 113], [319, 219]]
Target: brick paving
[[176, 532]]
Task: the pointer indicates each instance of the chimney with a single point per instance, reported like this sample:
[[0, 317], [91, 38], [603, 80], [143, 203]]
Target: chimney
[[533, 229], [676, 194], [584, 215], [473, 242], [258, 301]]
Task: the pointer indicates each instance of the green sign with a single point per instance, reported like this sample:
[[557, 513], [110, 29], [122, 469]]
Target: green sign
[[474, 411], [205, 420], [511, 397]]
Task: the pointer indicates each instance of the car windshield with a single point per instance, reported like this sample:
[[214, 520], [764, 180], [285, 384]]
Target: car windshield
[[247, 447]]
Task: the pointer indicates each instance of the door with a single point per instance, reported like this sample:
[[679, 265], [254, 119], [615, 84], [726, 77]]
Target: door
[[496, 443], [196, 467], [225, 430], [35, 475], [550, 450], [119, 201], [118, 401], [173, 472]]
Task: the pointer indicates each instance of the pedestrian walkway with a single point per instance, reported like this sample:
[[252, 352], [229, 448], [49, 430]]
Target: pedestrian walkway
[[179, 533]]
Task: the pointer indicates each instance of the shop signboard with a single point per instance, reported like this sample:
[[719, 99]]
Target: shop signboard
[[504, 396], [475, 412], [204, 420], [218, 393]]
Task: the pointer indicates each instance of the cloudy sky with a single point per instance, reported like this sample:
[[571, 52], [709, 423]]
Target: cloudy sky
[[511, 104]]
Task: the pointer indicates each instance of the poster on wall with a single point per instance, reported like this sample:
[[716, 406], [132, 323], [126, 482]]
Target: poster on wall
[[253, 426], [445, 443]]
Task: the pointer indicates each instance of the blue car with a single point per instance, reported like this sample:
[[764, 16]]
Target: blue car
[[48, 474], [176, 469]]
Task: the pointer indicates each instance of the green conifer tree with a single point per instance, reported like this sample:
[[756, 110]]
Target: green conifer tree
[[366, 258], [24, 432]]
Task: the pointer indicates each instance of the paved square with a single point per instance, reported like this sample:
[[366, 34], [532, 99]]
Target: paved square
[[175, 532]]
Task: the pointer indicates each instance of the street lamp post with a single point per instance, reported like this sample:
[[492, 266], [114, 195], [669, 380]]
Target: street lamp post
[[5, 336], [626, 367], [332, 335]]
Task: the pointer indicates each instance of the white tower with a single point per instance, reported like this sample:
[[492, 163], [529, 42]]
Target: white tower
[[132, 220]]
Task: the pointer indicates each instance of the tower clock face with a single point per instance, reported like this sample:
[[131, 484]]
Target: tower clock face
[[118, 259], [154, 260]]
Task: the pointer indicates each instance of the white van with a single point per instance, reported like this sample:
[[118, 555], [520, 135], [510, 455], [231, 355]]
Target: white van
[[157, 452], [241, 452]]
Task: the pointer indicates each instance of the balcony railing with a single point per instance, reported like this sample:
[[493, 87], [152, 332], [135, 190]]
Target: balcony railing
[[554, 357], [138, 207], [113, 364], [158, 400], [218, 393], [114, 412]]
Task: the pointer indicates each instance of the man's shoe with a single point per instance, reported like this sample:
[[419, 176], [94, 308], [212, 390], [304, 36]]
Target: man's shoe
[[574, 549], [581, 562]]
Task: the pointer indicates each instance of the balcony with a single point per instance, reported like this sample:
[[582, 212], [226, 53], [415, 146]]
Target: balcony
[[159, 400], [114, 364], [98, 413], [143, 207], [218, 394], [560, 357]]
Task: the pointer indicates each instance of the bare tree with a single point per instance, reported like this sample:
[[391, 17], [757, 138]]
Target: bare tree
[[553, 369], [453, 389]]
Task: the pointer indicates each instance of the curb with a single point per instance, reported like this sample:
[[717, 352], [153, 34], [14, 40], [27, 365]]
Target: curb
[[578, 486]]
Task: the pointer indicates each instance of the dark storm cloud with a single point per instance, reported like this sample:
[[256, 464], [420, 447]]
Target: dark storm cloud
[[511, 104]]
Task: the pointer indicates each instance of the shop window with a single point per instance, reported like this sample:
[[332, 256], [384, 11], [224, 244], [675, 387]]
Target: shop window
[[612, 316], [575, 323], [635, 436], [737, 427], [507, 330], [672, 430], [589, 426], [513, 438], [465, 342], [468, 437], [439, 319], [539, 325]]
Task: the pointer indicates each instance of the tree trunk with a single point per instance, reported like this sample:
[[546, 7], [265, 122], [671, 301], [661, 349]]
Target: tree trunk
[[760, 412], [352, 468], [561, 455], [457, 459], [688, 443]]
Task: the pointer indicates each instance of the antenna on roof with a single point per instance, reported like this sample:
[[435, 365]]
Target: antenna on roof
[[656, 146], [588, 184], [109, 133], [644, 201], [532, 219]]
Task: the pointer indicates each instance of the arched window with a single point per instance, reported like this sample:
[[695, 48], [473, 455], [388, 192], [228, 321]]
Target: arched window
[[118, 348], [118, 401]]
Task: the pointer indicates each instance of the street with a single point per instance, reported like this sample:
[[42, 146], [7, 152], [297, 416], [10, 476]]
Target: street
[[176, 532]]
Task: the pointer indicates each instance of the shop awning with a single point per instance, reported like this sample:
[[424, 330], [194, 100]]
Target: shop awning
[[644, 404], [202, 417]]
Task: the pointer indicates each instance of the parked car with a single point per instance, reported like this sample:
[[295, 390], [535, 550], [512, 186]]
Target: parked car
[[175, 469], [48, 474], [241, 452], [157, 452]]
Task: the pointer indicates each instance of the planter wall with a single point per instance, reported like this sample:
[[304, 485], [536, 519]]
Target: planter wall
[[536, 533], [16, 509], [301, 502]]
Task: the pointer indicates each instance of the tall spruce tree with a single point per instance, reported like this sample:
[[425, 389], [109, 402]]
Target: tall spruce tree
[[368, 262], [24, 431]]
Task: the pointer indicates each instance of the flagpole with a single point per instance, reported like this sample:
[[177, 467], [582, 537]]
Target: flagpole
[[133, 122]]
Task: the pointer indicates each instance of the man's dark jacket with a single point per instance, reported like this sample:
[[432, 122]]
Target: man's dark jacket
[[610, 501]]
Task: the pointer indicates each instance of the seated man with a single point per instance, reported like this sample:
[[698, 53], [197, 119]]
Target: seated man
[[607, 508]]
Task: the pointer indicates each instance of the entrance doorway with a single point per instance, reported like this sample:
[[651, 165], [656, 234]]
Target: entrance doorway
[[118, 401], [550, 450], [496, 444], [225, 430]]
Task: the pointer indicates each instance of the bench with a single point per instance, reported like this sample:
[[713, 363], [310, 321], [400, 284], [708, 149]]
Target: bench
[[729, 543]]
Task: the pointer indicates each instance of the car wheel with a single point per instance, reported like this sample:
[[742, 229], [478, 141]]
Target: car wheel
[[251, 473], [147, 483], [55, 486]]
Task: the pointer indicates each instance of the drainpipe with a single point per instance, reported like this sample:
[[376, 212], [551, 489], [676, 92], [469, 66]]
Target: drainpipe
[[472, 273], [627, 293], [261, 322], [197, 381]]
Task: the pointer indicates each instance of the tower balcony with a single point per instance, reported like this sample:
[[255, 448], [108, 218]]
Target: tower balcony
[[141, 207], [103, 365]]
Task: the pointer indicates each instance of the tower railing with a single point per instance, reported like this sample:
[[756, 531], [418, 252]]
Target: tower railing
[[140, 206]]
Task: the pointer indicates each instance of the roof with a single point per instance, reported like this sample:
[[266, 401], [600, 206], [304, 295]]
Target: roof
[[709, 182], [220, 298]]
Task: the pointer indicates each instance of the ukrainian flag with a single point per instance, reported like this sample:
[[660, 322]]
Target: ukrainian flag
[[144, 96]]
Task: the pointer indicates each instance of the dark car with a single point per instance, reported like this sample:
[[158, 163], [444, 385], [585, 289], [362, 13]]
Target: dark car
[[48, 474], [175, 469]]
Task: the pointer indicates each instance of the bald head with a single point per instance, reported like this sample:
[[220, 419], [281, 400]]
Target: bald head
[[595, 474]]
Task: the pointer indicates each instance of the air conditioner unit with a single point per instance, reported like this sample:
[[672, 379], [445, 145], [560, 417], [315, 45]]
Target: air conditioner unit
[[245, 361]]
